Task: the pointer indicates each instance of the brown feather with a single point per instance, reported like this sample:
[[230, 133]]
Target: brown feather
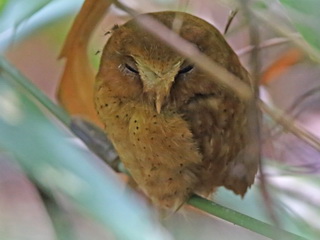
[[204, 137]]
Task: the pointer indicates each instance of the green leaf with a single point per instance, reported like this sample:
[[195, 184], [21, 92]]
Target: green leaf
[[306, 18]]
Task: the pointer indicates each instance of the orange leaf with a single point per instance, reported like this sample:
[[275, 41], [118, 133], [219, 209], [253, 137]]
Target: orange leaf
[[75, 91], [278, 67]]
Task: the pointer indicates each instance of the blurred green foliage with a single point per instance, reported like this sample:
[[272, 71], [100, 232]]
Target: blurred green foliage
[[2, 4], [57, 165], [306, 18], [20, 18], [16, 11]]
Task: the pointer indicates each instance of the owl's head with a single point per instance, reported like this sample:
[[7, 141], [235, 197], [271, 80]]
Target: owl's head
[[139, 65]]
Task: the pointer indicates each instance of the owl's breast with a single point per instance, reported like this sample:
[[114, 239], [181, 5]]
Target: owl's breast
[[157, 149]]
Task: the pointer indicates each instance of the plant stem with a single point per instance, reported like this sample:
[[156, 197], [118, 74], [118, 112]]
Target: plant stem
[[242, 220]]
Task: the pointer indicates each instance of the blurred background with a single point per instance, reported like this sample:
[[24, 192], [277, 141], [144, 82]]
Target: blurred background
[[37, 152]]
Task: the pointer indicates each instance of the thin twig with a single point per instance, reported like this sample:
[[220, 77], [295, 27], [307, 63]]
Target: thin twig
[[291, 109], [273, 22], [255, 62], [266, 44], [96, 140], [232, 15], [301, 99], [287, 123]]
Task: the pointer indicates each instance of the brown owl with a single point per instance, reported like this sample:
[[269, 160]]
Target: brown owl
[[177, 130]]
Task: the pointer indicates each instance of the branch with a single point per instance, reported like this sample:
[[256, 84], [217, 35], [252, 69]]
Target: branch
[[290, 125], [242, 220], [266, 44]]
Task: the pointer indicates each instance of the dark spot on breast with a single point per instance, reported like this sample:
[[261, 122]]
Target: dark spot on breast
[[181, 164], [106, 105], [117, 116], [135, 121], [154, 122], [137, 128], [170, 179], [154, 116]]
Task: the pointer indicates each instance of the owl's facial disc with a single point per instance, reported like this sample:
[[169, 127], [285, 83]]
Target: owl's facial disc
[[157, 80]]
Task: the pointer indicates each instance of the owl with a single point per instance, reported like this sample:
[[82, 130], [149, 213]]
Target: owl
[[177, 130]]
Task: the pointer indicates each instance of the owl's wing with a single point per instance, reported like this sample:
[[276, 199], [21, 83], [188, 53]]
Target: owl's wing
[[242, 173], [226, 132]]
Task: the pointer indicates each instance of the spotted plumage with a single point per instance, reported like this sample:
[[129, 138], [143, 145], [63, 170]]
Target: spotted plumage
[[177, 130]]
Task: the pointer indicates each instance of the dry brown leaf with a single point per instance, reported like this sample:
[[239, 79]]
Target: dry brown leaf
[[76, 85], [279, 66]]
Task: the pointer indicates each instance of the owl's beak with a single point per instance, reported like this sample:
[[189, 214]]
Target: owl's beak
[[159, 102], [160, 97], [157, 84], [162, 90], [158, 87]]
